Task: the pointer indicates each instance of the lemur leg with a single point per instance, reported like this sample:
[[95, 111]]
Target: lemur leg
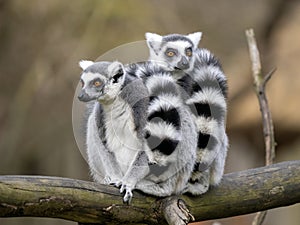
[[199, 182], [173, 184], [113, 172], [137, 171], [101, 160]]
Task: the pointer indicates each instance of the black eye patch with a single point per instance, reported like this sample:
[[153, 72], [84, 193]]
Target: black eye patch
[[189, 51]]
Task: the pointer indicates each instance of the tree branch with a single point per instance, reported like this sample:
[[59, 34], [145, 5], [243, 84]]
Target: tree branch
[[260, 83], [87, 202]]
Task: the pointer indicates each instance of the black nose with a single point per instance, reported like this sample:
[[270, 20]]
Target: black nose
[[83, 96], [183, 64]]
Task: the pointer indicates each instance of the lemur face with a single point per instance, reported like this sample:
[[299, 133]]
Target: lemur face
[[92, 86], [100, 81], [176, 51]]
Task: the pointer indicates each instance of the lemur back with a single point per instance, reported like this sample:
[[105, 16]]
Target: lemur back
[[200, 74], [170, 132]]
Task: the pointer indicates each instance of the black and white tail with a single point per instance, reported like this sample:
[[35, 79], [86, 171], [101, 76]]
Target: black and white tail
[[170, 132], [207, 101]]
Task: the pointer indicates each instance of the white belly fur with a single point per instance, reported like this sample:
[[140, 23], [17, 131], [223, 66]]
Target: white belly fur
[[120, 133]]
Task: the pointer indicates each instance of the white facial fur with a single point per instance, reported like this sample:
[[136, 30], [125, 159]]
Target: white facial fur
[[110, 85], [158, 52], [88, 87], [88, 77]]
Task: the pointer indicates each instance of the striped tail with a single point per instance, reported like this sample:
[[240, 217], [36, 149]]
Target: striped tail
[[164, 122], [208, 104]]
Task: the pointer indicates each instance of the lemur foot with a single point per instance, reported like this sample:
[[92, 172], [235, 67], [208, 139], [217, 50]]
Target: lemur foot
[[123, 188], [113, 181], [196, 189], [128, 193]]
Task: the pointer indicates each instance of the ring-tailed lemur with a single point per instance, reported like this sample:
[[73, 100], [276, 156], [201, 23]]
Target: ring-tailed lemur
[[170, 132], [115, 136], [117, 124], [200, 74]]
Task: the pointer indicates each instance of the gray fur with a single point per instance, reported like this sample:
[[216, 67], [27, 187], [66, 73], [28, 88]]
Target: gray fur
[[137, 97], [166, 176], [209, 166], [174, 38], [108, 147], [169, 173]]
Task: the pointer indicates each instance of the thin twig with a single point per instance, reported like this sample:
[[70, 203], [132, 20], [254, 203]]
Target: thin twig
[[260, 82], [254, 56], [259, 217], [268, 76]]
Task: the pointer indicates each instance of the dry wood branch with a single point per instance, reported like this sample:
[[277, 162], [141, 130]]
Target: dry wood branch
[[86, 202], [260, 83]]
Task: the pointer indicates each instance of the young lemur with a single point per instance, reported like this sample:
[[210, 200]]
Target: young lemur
[[123, 113], [200, 75]]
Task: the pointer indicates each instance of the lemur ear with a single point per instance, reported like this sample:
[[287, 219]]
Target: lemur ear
[[153, 41], [115, 71], [85, 64], [195, 38]]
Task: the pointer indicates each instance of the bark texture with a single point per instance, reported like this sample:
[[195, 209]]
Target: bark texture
[[87, 202]]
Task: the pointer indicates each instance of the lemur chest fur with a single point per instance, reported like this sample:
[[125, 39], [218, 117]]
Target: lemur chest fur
[[120, 132]]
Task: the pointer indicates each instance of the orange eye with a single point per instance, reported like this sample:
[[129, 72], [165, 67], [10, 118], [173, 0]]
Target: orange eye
[[97, 83], [189, 52], [170, 53]]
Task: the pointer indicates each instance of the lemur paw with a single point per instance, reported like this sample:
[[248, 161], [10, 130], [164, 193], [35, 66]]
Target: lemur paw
[[113, 181], [106, 180], [127, 197], [128, 193], [117, 183], [197, 189]]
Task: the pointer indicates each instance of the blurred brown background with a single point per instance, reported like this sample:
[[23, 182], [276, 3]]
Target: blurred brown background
[[41, 42]]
